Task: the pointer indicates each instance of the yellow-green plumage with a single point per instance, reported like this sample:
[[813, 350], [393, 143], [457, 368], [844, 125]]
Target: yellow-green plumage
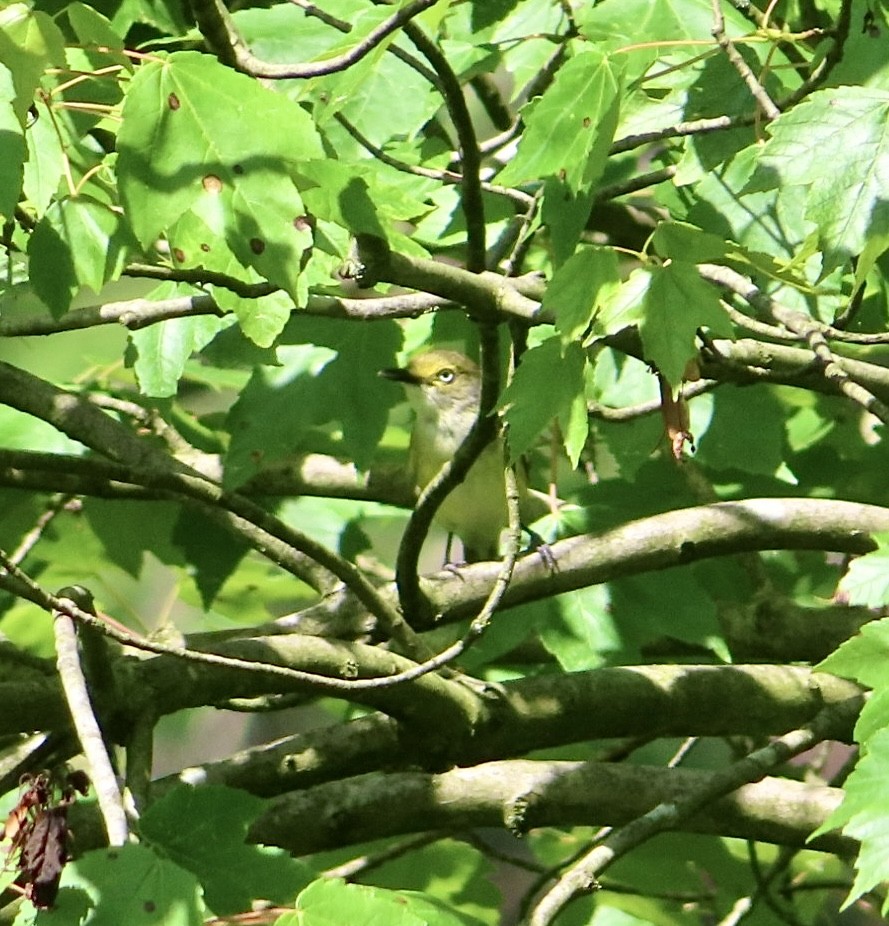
[[443, 388]]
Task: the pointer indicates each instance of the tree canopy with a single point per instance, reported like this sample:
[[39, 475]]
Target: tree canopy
[[662, 229]]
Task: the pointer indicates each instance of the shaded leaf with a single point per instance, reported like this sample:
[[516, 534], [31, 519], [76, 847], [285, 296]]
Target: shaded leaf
[[204, 830], [535, 397], [129, 884], [578, 288], [78, 242]]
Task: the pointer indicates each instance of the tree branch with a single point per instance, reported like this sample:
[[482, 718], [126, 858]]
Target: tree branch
[[290, 548], [88, 732], [470, 186], [524, 795], [677, 811], [740, 65], [551, 711], [219, 30]]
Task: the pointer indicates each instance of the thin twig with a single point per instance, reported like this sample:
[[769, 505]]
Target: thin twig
[[634, 184], [218, 28], [365, 863], [70, 608], [88, 732], [56, 506], [747, 290], [509, 250], [470, 187], [350, 682], [740, 65], [632, 412], [807, 329], [310, 9], [718, 123], [831, 59], [581, 878], [442, 176]]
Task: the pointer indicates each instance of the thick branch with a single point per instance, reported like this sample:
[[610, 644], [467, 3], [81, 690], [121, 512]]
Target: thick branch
[[487, 296], [662, 541], [523, 795], [641, 702]]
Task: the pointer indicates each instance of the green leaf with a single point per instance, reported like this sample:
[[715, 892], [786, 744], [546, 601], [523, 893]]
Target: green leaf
[[92, 28], [577, 628], [620, 22], [845, 194], [195, 136], [565, 215], [746, 433], [681, 241], [45, 164], [12, 146], [677, 303], [30, 42], [284, 33], [78, 242], [579, 287], [162, 350], [622, 306], [204, 830], [724, 206], [864, 815], [193, 244], [332, 902], [653, 608], [669, 303], [862, 658], [535, 397], [866, 582], [381, 96], [362, 198], [570, 128], [274, 413], [129, 884]]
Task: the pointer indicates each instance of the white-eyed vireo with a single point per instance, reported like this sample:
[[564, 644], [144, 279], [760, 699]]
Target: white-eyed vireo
[[444, 388]]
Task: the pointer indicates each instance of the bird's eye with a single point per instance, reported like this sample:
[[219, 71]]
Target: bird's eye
[[445, 376]]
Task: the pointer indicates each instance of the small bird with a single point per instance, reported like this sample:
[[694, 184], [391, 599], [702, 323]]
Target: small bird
[[444, 388]]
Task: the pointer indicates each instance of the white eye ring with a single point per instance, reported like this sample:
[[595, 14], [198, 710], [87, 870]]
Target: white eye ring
[[445, 376]]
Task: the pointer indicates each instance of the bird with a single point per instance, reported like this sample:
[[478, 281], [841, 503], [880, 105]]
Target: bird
[[444, 388]]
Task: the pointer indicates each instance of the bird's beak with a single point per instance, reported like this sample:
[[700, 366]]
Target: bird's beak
[[399, 375]]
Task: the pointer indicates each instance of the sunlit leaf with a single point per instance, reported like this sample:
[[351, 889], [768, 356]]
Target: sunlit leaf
[[844, 193], [571, 126], [194, 137]]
